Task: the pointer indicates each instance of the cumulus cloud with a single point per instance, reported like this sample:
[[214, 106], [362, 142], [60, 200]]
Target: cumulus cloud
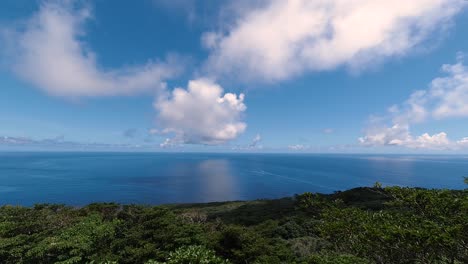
[[201, 114], [446, 97], [381, 135], [50, 53], [280, 39], [401, 136], [436, 141]]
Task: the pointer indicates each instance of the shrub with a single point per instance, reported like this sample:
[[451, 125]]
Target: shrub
[[192, 255]]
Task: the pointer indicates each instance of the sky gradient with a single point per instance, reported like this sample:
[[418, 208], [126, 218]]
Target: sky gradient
[[235, 76]]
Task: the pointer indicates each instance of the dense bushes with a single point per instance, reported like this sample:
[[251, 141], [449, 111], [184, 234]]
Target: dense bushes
[[362, 225], [415, 226], [192, 255]]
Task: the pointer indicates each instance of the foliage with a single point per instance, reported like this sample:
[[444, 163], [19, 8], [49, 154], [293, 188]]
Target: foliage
[[241, 244], [362, 225], [192, 255], [332, 258], [417, 226]]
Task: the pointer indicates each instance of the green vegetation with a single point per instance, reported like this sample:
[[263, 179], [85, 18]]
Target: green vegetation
[[362, 225]]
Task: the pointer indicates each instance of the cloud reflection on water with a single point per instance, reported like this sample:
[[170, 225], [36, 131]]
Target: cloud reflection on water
[[216, 180]]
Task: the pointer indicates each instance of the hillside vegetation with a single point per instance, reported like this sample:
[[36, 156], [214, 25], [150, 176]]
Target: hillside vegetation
[[362, 225]]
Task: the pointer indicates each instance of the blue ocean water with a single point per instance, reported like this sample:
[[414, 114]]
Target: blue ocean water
[[156, 178]]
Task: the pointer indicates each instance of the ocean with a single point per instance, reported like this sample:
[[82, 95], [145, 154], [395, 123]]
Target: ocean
[[79, 178]]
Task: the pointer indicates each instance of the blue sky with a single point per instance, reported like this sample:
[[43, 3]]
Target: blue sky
[[241, 76]]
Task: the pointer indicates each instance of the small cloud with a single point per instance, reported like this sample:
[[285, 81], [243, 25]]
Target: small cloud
[[167, 143], [328, 131], [463, 142], [298, 147], [254, 145], [255, 141], [15, 140], [170, 143]]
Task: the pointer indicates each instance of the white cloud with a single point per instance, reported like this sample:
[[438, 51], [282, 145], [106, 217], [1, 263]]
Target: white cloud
[[15, 140], [401, 136], [463, 142], [255, 141], [446, 97], [298, 147], [253, 145], [437, 141], [380, 135], [58, 142], [451, 92], [168, 143], [201, 114], [50, 53], [281, 39]]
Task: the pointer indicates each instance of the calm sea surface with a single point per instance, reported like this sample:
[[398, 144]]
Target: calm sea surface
[[81, 178]]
